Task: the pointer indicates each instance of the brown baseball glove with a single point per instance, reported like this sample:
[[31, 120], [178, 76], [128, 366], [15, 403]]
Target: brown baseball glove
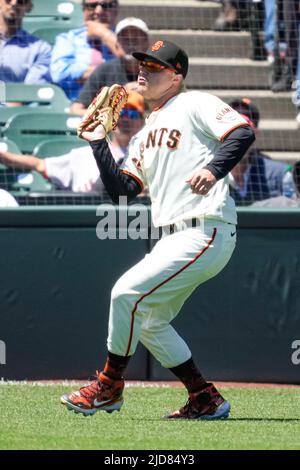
[[104, 109]]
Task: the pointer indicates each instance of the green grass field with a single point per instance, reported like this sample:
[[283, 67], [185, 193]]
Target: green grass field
[[32, 417]]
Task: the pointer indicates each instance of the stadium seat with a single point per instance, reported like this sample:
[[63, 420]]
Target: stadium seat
[[32, 182], [53, 12], [28, 130], [48, 95], [7, 112], [56, 8], [49, 33], [56, 147], [15, 179], [8, 176], [7, 145]]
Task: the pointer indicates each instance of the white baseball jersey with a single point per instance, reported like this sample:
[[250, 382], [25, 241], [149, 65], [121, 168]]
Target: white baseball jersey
[[180, 137]]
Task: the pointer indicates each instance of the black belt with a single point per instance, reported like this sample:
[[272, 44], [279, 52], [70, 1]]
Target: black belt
[[171, 228]]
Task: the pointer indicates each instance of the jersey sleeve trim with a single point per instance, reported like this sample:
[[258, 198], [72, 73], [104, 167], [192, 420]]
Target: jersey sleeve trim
[[134, 177], [241, 124]]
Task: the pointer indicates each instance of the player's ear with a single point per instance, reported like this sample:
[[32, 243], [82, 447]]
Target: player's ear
[[177, 78]]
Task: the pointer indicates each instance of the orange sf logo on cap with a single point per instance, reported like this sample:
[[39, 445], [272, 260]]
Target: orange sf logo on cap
[[158, 45]]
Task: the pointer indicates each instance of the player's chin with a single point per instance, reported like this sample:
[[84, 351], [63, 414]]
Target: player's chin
[[142, 88]]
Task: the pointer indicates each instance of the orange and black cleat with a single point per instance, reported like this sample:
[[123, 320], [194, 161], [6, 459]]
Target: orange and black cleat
[[102, 394], [207, 404]]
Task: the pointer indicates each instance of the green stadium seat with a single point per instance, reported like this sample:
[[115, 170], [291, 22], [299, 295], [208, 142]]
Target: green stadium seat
[[49, 34], [46, 99], [16, 180], [28, 130], [52, 12], [48, 95], [7, 145], [8, 176], [55, 147], [32, 182], [8, 112], [55, 8]]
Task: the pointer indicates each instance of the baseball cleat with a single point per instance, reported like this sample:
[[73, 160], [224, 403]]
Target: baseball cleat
[[207, 404], [102, 394]]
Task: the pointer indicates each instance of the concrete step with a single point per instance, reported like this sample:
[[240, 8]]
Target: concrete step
[[207, 43], [227, 73], [271, 105], [289, 157], [172, 14], [281, 135]]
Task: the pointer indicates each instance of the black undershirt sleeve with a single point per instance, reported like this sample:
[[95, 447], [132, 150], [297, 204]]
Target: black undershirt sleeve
[[115, 181], [231, 151]]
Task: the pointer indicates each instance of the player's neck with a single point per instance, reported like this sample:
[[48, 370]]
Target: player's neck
[[155, 105]]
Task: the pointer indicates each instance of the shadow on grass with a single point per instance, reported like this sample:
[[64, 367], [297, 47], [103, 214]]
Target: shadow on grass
[[279, 420], [228, 420]]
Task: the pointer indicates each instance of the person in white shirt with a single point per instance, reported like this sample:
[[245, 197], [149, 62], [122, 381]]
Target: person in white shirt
[[183, 155]]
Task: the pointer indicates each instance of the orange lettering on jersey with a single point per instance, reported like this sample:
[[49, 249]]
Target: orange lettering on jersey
[[162, 131], [151, 139], [222, 112], [174, 138]]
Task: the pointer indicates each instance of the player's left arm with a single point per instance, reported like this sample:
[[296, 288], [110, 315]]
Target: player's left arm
[[230, 152]]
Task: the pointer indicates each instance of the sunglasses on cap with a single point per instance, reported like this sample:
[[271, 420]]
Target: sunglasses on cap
[[154, 67], [105, 5], [19, 2], [130, 114]]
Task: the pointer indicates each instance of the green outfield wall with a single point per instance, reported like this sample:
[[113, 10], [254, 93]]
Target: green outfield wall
[[55, 283]]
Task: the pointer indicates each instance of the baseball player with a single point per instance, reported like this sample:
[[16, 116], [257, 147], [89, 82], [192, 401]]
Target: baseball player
[[183, 154]]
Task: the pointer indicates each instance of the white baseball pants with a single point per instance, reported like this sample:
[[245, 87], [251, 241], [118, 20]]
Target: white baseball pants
[[149, 296]]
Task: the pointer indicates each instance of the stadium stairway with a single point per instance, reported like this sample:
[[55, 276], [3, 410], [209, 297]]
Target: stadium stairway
[[220, 63]]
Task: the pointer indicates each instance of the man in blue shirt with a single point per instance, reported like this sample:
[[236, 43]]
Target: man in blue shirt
[[78, 52], [23, 57]]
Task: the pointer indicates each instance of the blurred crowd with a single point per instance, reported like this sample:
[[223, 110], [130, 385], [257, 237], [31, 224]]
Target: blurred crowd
[[274, 28], [98, 54]]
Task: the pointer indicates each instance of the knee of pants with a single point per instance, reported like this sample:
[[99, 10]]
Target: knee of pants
[[122, 297]]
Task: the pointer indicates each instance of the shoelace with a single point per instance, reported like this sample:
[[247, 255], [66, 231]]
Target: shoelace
[[94, 388], [213, 395]]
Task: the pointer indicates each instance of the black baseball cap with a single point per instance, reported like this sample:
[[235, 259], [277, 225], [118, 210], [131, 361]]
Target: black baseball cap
[[166, 53], [246, 107]]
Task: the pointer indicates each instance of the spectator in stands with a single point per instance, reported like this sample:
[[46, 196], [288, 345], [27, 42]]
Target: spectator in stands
[[257, 176], [296, 97], [283, 201], [78, 52], [7, 200], [23, 57], [77, 171], [244, 14], [132, 34], [281, 41], [228, 19]]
